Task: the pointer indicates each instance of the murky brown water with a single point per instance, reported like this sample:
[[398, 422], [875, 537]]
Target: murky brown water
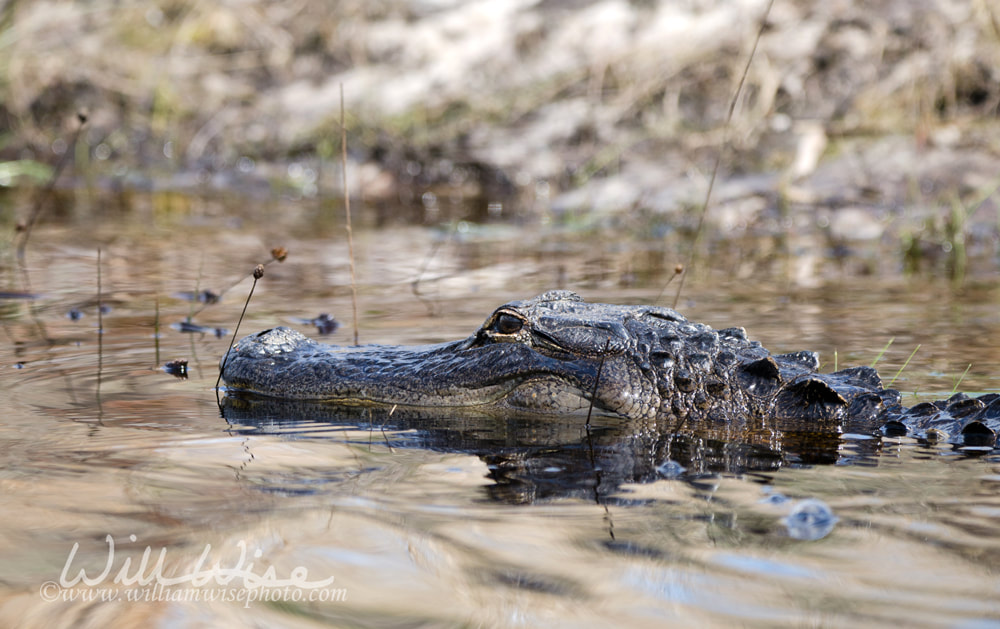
[[97, 441]]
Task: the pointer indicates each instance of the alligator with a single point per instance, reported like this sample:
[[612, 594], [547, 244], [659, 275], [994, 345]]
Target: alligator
[[557, 354]]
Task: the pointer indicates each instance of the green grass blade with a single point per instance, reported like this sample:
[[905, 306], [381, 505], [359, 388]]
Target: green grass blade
[[904, 365], [964, 373], [884, 350]]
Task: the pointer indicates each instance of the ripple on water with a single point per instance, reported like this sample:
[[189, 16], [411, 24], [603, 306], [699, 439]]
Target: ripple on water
[[97, 441]]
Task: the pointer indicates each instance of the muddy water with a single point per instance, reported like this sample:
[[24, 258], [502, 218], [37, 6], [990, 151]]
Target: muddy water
[[378, 524]]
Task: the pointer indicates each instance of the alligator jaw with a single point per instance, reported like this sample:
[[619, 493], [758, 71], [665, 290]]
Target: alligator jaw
[[282, 363]]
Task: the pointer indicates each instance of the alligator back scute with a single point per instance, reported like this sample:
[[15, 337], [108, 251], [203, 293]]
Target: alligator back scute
[[866, 408], [706, 341], [978, 434], [961, 405], [808, 361], [684, 380], [959, 420], [760, 378], [979, 419], [860, 377], [924, 409], [739, 334], [992, 405], [809, 398], [984, 429]]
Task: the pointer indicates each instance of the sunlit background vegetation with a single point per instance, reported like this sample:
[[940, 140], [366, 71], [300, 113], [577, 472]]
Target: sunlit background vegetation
[[859, 123]]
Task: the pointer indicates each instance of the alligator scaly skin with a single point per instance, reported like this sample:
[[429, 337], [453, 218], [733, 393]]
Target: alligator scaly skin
[[544, 355]]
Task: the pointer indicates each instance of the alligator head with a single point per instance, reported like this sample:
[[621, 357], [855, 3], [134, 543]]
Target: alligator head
[[556, 353], [541, 355]]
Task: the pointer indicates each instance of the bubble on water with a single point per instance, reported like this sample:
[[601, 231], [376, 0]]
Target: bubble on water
[[670, 469], [810, 519]]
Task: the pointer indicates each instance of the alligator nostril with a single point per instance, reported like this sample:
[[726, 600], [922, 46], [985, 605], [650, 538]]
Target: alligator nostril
[[260, 334]]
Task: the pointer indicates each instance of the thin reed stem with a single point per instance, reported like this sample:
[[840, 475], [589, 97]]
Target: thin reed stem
[[718, 156], [100, 337], [885, 348], [912, 354], [347, 212], [590, 445], [100, 298], [46, 194], [258, 273], [156, 329], [597, 381], [959, 381]]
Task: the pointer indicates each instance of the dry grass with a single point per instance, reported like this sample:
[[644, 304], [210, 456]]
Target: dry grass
[[489, 99], [213, 78]]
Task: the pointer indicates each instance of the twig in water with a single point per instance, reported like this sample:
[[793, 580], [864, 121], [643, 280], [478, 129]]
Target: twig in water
[[912, 354], [156, 329], [597, 381], [100, 338], [382, 428], [46, 194], [718, 155], [258, 273], [100, 298], [197, 290], [347, 212], [590, 443]]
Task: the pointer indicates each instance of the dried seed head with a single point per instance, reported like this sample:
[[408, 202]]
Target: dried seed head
[[279, 253], [258, 271]]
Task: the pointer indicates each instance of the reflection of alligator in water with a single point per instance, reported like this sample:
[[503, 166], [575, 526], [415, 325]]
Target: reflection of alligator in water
[[556, 354], [531, 459]]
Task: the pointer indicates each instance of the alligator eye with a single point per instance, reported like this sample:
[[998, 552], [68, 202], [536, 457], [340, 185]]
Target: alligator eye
[[507, 324]]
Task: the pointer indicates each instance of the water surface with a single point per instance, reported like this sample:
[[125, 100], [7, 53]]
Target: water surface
[[465, 524]]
